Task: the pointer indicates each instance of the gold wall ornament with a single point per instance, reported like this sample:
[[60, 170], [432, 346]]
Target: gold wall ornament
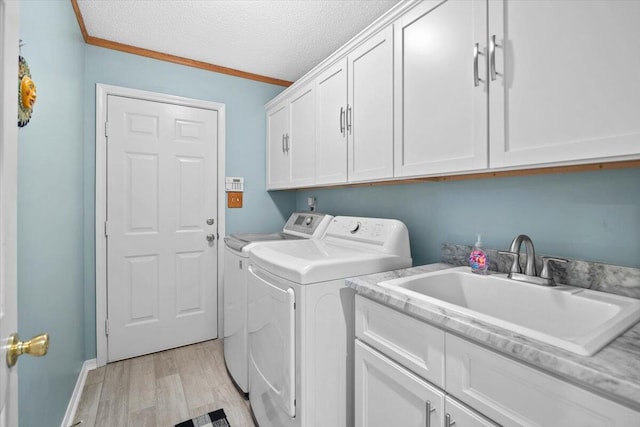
[[27, 92]]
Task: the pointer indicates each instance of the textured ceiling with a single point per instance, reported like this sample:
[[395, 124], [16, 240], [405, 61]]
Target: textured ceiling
[[282, 39]]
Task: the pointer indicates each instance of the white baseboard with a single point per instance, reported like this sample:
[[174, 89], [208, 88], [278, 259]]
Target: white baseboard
[[87, 366]]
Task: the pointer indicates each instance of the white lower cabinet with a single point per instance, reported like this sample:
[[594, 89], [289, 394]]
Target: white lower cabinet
[[516, 395], [389, 395], [479, 388], [461, 416]]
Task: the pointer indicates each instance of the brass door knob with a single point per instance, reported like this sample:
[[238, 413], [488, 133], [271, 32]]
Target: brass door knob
[[36, 346]]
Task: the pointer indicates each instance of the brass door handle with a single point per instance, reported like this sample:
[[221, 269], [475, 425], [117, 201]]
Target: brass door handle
[[36, 346]]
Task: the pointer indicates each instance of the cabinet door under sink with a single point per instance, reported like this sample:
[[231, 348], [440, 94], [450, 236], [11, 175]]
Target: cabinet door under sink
[[515, 395], [389, 395]]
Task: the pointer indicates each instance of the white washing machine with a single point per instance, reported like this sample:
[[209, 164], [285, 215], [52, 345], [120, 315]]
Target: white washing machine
[[301, 316], [301, 225]]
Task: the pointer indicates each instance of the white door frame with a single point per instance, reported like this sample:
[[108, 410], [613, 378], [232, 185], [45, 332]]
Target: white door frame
[[9, 33], [102, 92]]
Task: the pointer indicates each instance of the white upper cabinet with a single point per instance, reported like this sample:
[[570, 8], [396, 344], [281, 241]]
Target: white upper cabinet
[[567, 84], [331, 111], [302, 125], [457, 86], [291, 140], [370, 109], [440, 88], [278, 166]]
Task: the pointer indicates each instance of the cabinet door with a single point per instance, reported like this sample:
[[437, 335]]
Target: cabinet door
[[441, 106], [278, 169], [567, 85], [516, 395], [370, 111], [389, 395], [456, 414], [331, 148], [414, 344], [302, 136]]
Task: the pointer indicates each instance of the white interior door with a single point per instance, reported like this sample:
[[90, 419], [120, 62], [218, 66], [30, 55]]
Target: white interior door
[[161, 226], [8, 178]]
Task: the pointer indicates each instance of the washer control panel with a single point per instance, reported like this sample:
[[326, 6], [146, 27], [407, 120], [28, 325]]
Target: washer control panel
[[379, 234]]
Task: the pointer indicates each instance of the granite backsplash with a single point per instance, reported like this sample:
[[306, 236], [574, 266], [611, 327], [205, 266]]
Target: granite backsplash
[[591, 275]]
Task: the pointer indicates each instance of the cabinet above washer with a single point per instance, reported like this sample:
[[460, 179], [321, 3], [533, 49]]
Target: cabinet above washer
[[477, 86]]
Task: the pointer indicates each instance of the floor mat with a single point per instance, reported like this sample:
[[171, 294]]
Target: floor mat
[[212, 419]]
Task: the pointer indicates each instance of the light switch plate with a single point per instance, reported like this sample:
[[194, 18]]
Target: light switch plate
[[234, 199]]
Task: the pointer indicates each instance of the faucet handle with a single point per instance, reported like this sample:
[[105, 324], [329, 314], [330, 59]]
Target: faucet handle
[[515, 264], [545, 274]]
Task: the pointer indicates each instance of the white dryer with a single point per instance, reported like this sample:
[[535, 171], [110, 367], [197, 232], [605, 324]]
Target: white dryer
[[301, 315], [301, 225]]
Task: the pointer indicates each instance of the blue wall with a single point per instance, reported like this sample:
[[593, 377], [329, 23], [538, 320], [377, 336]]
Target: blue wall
[[245, 142], [50, 211], [591, 216]]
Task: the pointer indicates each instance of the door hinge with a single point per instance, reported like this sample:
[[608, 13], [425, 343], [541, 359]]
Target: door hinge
[[106, 229], [106, 327], [106, 129]]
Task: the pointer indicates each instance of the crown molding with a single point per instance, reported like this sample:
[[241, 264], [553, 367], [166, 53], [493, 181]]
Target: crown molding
[[108, 44]]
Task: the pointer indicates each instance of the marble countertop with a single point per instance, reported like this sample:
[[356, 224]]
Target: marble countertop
[[613, 372]]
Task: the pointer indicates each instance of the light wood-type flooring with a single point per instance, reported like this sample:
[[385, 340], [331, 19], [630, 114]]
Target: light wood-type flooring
[[162, 389]]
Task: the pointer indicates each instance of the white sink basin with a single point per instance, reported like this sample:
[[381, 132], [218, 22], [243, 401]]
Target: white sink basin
[[574, 319]]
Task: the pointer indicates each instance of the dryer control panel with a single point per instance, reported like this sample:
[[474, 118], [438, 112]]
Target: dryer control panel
[[307, 224]]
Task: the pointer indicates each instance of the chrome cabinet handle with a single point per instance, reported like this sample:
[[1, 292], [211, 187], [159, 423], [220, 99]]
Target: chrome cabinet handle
[[492, 57], [429, 411], [342, 120], [283, 150], [476, 53], [349, 118], [447, 421], [287, 143]]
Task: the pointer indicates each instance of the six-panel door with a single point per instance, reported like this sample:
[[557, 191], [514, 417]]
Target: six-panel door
[[161, 251]]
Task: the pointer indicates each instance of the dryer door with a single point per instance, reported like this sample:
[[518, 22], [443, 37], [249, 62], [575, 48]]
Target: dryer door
[[272, 346], [235, 317]]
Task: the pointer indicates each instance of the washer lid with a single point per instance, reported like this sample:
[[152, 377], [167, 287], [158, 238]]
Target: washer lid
[[240, 240], [311, 261]]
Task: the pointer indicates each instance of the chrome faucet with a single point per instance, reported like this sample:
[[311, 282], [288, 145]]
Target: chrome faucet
[[516, 244], [530, 274]]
